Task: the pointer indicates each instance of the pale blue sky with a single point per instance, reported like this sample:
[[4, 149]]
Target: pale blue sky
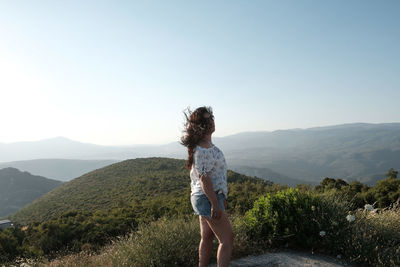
[[122, 72]]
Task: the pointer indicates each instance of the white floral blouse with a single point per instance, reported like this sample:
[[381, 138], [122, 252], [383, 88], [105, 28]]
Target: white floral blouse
[[209, 160]]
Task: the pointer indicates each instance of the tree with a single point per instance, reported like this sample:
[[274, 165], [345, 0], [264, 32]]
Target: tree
[[330, 183], [391, 173], [386, 191]]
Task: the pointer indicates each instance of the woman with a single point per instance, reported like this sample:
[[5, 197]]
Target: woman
[[208, 185]]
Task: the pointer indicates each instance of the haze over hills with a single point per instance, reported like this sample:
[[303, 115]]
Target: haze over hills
[[20, 188], [274, 176], [351, 151], [358, 151], [58, 169], [61, 147]]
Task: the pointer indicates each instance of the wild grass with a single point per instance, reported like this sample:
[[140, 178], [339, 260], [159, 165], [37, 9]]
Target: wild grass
[[162, 243], [371, 239], [374, 239]]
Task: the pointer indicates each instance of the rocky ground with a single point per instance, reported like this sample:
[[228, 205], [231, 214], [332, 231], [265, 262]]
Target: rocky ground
[[288, 258]]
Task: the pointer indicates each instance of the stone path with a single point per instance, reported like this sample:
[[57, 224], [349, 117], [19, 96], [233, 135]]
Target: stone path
[[287, 258]]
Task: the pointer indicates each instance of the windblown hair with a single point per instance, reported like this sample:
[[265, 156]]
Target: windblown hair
[[196, 128]]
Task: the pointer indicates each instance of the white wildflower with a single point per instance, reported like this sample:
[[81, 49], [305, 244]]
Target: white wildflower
[[368, 207], [350, 217], [322, 233]]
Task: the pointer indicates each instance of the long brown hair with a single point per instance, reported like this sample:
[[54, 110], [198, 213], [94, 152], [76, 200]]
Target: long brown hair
[[196, 128]]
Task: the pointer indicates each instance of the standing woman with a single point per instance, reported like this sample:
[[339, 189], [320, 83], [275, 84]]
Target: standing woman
[[209, 190]]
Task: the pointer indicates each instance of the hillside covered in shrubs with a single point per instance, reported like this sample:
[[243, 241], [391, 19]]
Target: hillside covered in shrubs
[[148, 220], [18, 188]]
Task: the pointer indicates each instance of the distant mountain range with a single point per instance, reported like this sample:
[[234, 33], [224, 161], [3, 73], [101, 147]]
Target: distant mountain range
[[269, 175], [17, 189], [64, 148], [58, 169], [358, 151]]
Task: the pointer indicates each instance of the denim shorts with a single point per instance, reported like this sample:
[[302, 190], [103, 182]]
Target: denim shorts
[[202, 206]]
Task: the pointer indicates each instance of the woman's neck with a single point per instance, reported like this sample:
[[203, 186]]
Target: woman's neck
[[207, 138], [206, 141]]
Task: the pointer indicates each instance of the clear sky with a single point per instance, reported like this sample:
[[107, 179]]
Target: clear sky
[[122, 72]]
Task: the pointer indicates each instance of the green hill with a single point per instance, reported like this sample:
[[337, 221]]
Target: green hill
[[19, 188], [123, 184]]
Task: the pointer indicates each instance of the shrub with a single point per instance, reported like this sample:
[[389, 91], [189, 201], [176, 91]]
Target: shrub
[[10, 244], [327, 223], [300, 218]]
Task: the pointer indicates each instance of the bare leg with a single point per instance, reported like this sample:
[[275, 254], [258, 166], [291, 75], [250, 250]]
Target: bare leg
[[205, 247], [223, 231]]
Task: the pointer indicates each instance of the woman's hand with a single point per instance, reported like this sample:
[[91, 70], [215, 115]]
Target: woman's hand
[[216, 212]]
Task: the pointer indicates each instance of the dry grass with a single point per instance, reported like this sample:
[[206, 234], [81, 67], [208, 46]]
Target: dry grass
[[372, 239], [161, 243], [375, 238]]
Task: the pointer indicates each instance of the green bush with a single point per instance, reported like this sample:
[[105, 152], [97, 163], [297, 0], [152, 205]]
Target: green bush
[[384, 193], [299, 218], [12, 245], [321, 222]]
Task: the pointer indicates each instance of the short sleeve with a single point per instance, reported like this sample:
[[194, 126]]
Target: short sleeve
[[202, 161]]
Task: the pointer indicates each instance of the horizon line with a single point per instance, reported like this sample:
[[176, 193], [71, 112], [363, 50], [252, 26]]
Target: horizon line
[[229, 135]]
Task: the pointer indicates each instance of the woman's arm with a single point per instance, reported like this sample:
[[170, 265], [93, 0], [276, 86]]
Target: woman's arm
[[208, 189]]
